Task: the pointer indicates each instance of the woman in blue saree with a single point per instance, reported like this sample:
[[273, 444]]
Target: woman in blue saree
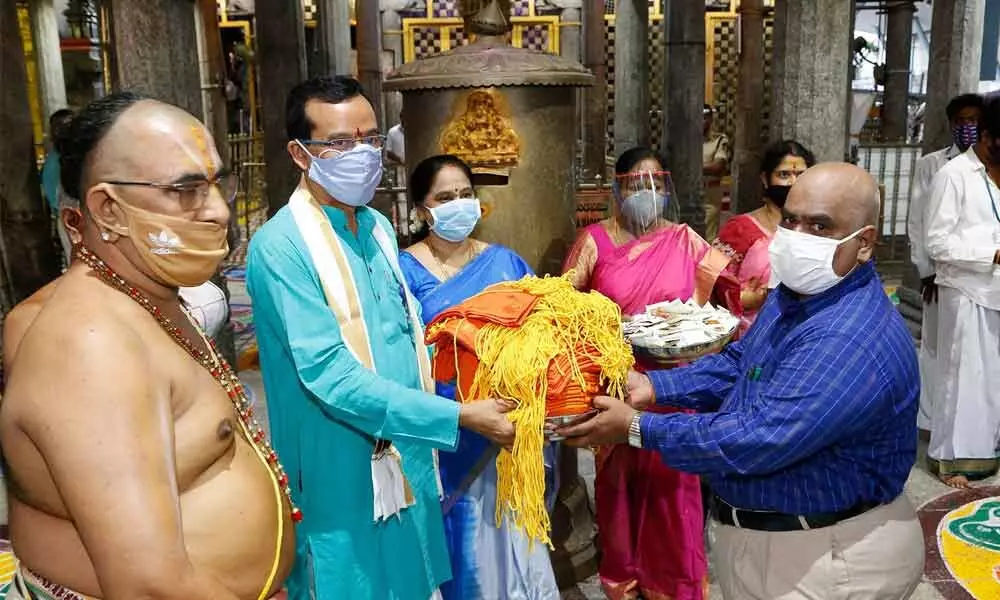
[[443, 269]]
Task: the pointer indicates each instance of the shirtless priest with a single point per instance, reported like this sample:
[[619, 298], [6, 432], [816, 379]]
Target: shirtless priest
[[134, 466]]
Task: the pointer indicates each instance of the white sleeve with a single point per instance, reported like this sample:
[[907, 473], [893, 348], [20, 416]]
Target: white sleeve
[[919, 190], [941, 220]]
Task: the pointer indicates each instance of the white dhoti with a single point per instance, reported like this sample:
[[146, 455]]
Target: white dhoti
[[966, 413], [929, 375]]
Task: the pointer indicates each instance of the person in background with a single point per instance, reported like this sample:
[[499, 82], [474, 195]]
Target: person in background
[[346, 372], [964, 113], [806, 427], [715, 166], [745, 238], [395, 147], [962, 224], [395, 155], [648, 514], [444, 268], [50, 175]]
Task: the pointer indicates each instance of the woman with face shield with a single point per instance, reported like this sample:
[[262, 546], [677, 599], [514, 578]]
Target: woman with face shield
[[445, 267], [638, 256], [745, 238]]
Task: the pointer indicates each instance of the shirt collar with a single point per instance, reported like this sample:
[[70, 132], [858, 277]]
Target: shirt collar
[[790, 302], [339, 219], [952, 152], [977, 165]]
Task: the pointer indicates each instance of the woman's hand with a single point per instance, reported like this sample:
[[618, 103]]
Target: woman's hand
[[639, 391], [753, 294]]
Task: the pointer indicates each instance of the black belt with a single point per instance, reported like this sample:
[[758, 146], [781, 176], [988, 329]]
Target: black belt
[[775, 521]]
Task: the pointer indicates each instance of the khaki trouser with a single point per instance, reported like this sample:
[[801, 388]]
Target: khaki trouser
[[713, 209], [878, 555]]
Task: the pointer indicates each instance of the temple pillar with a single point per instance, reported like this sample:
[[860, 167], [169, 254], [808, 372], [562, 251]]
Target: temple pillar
[[48, 56], [595, 97], [334, 30], [570, 29], [282, 64], [369, 31], [812, 54], [899, 41], [956, 47], [747, 140], [153, 44], [956, 50], [211, 71], [632, 74], [684, 77], [392, 45], [28, 257]]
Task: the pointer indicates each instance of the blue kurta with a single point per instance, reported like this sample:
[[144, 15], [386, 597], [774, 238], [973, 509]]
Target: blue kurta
[[320, 400]]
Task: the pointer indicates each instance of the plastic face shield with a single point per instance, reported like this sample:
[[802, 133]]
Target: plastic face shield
[[638, 193]]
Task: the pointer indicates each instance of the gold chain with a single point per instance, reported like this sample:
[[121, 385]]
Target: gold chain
[[212, 362]]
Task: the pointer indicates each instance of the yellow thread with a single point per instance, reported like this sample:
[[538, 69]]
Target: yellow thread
[[514, 365]]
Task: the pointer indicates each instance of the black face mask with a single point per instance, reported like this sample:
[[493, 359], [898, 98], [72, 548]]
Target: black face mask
[[777, 194]]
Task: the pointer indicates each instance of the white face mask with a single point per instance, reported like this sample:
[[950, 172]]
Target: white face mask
[[804, 262], [349, 177]]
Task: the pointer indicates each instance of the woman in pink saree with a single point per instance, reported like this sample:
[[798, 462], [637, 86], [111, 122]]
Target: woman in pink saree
[[649, 516], [745, 238]]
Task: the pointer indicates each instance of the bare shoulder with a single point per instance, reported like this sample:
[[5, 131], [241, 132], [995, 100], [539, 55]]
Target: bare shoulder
[[418, 250], [19, 320], [80, 343]]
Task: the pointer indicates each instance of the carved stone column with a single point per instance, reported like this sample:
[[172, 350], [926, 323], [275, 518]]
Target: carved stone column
[[811, 71], [48, 55], [631, 74], [595, 97], [899, 41]]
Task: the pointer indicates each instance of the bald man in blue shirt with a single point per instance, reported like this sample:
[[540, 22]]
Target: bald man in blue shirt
[[806, 428]]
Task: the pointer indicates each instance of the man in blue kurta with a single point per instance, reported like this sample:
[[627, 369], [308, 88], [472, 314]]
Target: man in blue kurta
[[345, 367]]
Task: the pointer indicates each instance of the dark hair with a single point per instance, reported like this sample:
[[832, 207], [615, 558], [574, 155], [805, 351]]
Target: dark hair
[[777, 151], [58, 122], [959, 103], [332, 90], [78, 139], [422, 178], [990, 122], [633, 156]]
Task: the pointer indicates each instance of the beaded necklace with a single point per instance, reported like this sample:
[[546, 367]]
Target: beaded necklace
[[217, 367]]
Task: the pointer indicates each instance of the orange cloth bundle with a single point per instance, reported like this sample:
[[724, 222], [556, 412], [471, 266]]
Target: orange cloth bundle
[[545, 346]]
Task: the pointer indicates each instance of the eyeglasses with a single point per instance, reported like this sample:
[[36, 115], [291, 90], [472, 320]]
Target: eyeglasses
[[192, 195], [346, 144]]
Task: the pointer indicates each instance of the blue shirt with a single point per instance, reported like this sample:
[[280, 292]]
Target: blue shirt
[[50, 181], [813, 411]]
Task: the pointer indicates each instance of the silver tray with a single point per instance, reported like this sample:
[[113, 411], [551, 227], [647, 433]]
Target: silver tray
[[564, 420], [685, 353]]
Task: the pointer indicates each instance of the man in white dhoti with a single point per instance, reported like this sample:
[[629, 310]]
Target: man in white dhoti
[[963, 240], [963, 114]]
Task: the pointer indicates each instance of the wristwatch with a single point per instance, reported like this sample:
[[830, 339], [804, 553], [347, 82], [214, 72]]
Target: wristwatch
[[635, 431]]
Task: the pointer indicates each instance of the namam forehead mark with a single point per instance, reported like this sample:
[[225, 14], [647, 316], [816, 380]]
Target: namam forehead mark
[[207, 154]]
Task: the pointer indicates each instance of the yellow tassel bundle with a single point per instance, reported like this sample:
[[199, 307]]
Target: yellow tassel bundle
[[518, 364]]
